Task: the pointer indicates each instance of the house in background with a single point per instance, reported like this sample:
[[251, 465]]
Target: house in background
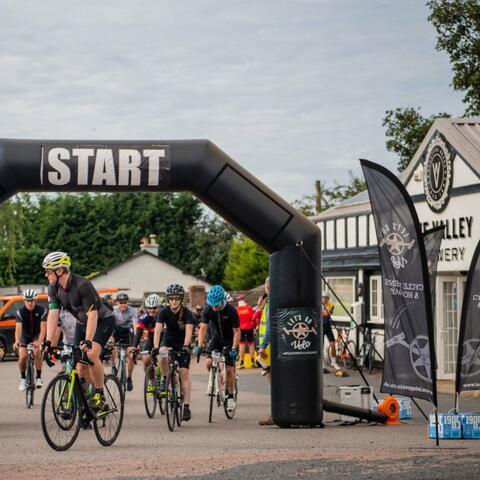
[[145, 272]]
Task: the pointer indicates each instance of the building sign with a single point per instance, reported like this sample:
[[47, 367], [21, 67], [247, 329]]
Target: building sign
[[438, 173]]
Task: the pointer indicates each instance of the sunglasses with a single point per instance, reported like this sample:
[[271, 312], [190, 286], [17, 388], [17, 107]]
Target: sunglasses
[[178, 299], [152, 308], [49, 271], [30, 301], [122, 303]]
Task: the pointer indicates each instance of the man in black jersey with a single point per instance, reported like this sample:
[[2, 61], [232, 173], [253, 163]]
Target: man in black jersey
[[30, 327], [222, 318], [95, 319], [177, 323]]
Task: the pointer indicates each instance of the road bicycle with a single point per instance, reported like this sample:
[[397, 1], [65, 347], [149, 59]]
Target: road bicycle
[[217, 385], [345, 348], [152, 394], [366, 355], [120, 369], [30, 376], [173, 395], [65, 407]]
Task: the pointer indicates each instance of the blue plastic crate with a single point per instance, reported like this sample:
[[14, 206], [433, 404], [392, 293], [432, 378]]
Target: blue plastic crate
[[470, 425], [449, 426]]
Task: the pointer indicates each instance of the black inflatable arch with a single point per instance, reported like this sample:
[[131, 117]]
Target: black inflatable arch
[[200, 167]]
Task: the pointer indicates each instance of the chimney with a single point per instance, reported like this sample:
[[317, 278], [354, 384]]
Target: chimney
[[150, 244]]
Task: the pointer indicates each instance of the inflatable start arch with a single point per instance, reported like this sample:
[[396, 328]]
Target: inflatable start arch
[[200, 167]]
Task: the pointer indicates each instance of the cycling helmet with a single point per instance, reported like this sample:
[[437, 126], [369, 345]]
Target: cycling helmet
[[56, 260], [30, 294], [216, 296], [325, 294], [122, 297], [175, 289], [153, 301]]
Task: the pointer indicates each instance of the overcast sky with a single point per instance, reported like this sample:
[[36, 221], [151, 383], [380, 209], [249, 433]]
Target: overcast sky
[[292, 90]]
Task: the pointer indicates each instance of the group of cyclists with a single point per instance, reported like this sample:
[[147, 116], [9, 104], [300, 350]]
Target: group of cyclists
[[88, 322]]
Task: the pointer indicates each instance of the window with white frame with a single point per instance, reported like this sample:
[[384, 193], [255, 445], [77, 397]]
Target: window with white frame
[[376, 299], [344, 288]]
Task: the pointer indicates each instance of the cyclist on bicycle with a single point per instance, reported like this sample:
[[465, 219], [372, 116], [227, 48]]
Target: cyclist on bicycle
[[30, 327], [225, 325], [95, 320], [146, 323], [178, 322], [125, 320], [327, 311]]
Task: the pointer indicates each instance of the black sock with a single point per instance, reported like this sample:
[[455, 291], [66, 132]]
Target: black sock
[[99, 390], [186, 405], [39, 374], [22, 375]]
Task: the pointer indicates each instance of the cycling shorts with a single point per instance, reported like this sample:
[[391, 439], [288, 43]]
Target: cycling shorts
[[26, 339], [102, 333], [327, 330], [148, 345], [184, 357], [217, 344], [246, 336]]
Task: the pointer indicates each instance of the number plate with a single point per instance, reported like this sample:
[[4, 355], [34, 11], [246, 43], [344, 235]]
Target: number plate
[[216, 355], [67, 350], [163, 354]]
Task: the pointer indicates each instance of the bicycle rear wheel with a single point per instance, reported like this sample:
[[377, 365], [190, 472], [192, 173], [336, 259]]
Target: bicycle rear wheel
[[150, 392], [349, 351], [171, 403], [60, 415], [370, 359], [30, 375], [179, 405], [108, 422]]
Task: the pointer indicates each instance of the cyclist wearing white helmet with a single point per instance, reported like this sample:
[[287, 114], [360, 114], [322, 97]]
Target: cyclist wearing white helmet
[[95, 319], [30, 327], [125, 320], [178, 322], [146, 323]]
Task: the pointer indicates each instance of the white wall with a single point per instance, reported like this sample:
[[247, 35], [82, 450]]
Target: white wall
[[145, 273]]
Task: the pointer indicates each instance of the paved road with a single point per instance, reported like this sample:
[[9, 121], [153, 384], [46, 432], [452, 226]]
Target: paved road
[[237, 448]]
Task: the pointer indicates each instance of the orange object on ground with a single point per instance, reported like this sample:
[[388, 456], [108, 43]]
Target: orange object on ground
[[391, 409]]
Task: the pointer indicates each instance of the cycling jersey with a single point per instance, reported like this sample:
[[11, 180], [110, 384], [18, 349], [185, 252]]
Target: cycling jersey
[[245, 314], [174, 324], [124, 320], [30, 320], [146, 323], [79, 297], [68, 323], [222, 322], [327, 311]]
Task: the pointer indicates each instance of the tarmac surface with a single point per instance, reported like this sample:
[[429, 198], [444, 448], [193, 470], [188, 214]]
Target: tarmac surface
[[231, 449]]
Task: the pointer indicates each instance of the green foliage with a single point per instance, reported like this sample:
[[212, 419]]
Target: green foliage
[[247, 265], [331, 196], [99, 231], [406, 128], [457, 23]]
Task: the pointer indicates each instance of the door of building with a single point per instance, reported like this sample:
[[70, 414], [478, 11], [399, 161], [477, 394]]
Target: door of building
[[449, 307]]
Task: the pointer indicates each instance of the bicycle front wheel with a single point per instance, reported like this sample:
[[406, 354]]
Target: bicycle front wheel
[[150, 392], [30, 375], [348, 354], [211, 391], [179, 405], [171, 403], [370, 359], [108, 422], [60, 414], [122, 375]]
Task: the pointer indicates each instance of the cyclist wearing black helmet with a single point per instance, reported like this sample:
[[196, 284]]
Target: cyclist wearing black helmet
[[30, 327], [125, 320], [178, 322], [222, 318], [94, 319]]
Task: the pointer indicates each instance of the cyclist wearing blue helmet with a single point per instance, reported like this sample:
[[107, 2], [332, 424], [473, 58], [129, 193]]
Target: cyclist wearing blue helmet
[[222, 317]]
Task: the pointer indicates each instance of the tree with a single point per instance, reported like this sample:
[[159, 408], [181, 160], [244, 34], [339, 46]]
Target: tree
[[247, 265], [406, 128], [457, 23]]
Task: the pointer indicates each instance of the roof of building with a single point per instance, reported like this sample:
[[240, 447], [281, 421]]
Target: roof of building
[[463, 134], [138, 254]]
